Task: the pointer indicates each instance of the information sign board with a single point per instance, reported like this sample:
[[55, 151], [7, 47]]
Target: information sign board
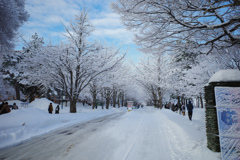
[[129, 105], [228, 112]]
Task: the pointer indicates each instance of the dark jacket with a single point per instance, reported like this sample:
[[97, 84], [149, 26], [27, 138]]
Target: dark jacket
[[57, 109], [5, 109], [1, 105], [190, 106], [50, 108], [14, 106]]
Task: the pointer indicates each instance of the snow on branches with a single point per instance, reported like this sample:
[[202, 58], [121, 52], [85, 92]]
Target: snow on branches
[[206, 24], [67, 67], [12, 16]]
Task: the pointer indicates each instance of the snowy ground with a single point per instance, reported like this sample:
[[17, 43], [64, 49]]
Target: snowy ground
[[24, 123], [146, 133]]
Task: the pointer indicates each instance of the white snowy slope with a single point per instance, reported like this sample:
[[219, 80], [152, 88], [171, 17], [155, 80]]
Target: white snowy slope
[[142, 134]]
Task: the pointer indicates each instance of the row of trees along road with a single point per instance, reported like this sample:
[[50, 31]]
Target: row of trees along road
[[69, 68], [186, 43]]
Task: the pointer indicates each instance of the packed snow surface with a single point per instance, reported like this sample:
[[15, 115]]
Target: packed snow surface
[[145, 133], [228, 75]]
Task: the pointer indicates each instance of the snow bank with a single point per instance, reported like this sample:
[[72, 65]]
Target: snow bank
[[42, 103], [226, 76], [188, 138], [24, 123]]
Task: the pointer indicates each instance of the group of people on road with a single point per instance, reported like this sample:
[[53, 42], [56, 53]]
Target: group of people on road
[[189, 109], [50, 109], [181, 109], [5, 108]]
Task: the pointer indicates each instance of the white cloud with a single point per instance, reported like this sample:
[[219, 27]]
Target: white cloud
[[107, 20], [46, 16], [121, 34]]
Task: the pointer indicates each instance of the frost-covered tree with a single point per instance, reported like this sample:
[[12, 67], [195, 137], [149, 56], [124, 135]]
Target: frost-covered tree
[[230, 57], [109, 87], [94, 90], [68, 67], [179, 64], [208, 24], [35, 62], [151, 77], [10, 72], [84, 61], [22, 67], [116, 84], [12, 16]]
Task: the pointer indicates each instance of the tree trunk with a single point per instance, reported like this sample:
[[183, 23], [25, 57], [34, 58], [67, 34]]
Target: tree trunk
[[154, 98], [114, 97], [94, 96], [197, 102], [107, 103], [201, 101], [17, 89], [118, 101], [122, 95], [159, 98], [160, 103], [178, 102], [73, 108]]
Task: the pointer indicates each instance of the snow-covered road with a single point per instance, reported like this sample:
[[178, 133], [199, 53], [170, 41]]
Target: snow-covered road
[[58, 143], [142, 134]]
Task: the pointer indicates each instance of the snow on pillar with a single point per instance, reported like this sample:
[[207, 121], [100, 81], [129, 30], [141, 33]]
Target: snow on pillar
[[223, 78]]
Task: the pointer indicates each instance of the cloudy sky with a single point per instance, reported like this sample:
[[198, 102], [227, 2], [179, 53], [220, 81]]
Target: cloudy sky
[[46, 16]]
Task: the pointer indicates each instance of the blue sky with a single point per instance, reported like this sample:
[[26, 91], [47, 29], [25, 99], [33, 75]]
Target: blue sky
[[46, 16]]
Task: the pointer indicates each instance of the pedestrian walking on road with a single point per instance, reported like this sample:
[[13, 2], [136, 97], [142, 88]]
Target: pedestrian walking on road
[[50, 108], [183, 110], [57, 109], [176, 108], [180, 109], [14, 106], [190, 110]]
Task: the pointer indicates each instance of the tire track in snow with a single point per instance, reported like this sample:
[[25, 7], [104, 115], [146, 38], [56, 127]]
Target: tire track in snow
[[164, 137], [148, 141], [135, 138], [172, 139]]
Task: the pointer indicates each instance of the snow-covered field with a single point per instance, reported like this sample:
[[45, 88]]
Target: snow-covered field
[[146, 133], [24, 123]]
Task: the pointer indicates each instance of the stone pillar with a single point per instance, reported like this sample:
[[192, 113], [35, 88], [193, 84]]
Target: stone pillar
[[213, 142]]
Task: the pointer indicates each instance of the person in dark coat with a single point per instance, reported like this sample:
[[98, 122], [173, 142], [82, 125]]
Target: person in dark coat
[[1, 106], [176, 108], [14, 106], [57, 109], [50, 108], [180, 109], [190, 110], [5, 108], [183, 109]]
